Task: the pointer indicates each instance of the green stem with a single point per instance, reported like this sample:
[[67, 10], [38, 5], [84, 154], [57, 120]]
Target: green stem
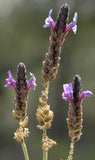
[[24, 148], [45, 155], [47, 88], [70, 157]]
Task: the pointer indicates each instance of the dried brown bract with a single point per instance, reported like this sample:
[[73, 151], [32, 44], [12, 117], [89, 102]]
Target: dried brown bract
[[44, 114], [47, 143]]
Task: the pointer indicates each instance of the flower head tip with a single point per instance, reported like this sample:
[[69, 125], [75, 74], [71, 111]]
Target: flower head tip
[[68, 93]]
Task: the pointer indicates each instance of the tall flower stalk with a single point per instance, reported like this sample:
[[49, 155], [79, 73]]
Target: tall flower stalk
[[72, 92], [21, 87], [59, 30]]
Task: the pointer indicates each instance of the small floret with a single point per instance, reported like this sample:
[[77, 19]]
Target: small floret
[[49, 22], [10, 81], [32, 82], [68, 92], [72, 25]]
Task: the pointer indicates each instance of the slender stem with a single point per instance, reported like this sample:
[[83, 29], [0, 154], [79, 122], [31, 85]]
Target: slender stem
[[24, 148], [70, 157], [21, 128], [47, 88], [45, 155]]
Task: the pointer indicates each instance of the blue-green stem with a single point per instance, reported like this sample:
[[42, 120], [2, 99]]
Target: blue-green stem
[[24, 148], [45, 155]]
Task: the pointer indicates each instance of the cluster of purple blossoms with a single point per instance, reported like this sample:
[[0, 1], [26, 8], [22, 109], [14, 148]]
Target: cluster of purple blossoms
[[68, 93], [49, 22], [12, 82]]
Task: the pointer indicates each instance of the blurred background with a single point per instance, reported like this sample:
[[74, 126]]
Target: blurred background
[[23, 39]]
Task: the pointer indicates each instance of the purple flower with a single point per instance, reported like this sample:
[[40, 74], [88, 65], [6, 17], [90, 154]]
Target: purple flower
[[68, 93], [10, 81], [85, 94], [32, 82], [49, 21], [73, 24]]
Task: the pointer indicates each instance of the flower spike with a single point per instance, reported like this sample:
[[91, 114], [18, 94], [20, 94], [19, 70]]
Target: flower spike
[[21, 87], [72, 92], [49, 22], [73, 24], [10, 81], [51, 63]]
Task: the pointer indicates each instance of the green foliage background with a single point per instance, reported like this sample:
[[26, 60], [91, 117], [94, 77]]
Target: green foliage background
[[23, 39]]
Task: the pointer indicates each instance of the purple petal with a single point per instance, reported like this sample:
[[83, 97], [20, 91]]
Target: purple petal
[[68, 87], [75, 17], [10, 81], [32, 82], [49, 21], [72, 25], [50, 12], [68, 92], [85, 94]]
